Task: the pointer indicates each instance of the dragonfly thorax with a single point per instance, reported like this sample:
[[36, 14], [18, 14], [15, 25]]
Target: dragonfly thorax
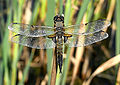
[[59, 24], [58, 29], [59, 33]]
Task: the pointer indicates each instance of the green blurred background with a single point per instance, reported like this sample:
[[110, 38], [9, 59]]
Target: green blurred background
[[21, 66]]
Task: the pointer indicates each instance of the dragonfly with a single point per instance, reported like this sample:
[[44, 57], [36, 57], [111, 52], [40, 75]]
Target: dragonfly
[[59, 35]]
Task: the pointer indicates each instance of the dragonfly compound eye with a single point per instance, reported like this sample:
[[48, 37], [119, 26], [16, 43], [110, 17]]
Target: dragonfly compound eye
[[55, 18]]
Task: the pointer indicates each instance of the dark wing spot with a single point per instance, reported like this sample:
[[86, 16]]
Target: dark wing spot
[[86, 23]]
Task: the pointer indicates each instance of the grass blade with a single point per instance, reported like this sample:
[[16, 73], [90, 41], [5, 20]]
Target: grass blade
[[49, 21]]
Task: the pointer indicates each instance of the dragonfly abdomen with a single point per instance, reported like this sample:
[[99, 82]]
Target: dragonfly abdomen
[[59, 50]]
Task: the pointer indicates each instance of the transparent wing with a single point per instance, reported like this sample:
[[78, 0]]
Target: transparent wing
[[33, 42], [31, 30], [84, 40], [88, 28]]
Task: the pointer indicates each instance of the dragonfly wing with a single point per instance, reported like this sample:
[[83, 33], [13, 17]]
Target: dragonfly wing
[[31, 30], [84, 40], [88, 28], [33, 42]]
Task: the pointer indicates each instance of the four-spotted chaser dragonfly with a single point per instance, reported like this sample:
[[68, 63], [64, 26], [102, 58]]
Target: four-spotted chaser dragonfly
[[45, 37]]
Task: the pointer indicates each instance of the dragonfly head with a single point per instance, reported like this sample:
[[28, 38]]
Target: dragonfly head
[[59, 18], [59, 21]]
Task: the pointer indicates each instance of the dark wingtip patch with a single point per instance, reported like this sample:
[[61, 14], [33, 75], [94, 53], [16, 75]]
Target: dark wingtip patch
[[32, 26], [86, 23]]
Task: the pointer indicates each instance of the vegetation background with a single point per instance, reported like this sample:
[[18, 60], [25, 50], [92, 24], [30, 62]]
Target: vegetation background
[[82, 66]]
